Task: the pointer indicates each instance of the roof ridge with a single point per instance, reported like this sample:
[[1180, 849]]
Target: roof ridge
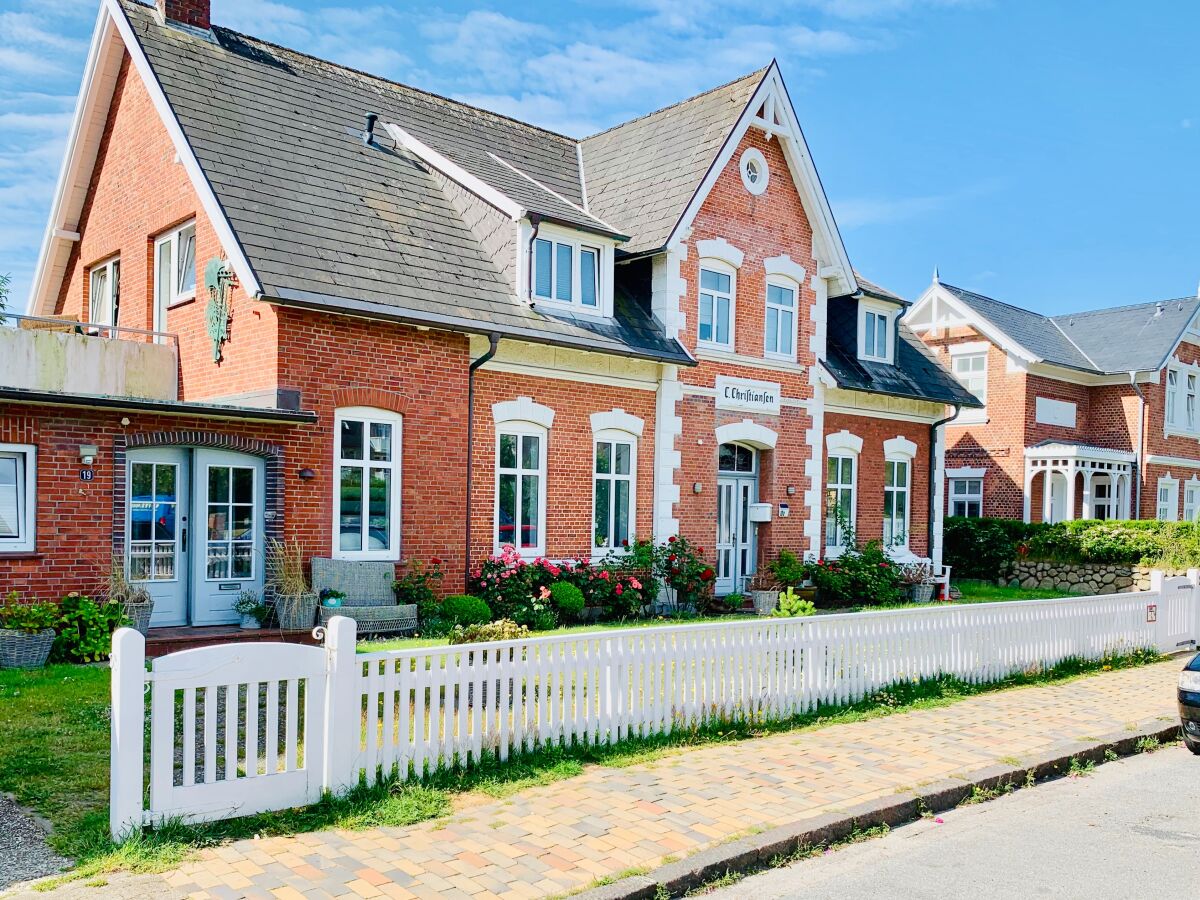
[[994, 300], [669, 106], [1125, 306], [1071, 341], [549, 190]]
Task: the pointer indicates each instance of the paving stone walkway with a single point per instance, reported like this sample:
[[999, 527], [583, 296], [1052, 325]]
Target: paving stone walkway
[[560, 838]]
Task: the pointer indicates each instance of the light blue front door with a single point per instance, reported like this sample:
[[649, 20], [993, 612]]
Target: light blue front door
[[195, 531]]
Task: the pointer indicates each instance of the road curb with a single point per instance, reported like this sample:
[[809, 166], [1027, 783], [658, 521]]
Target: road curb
[[756, 852]]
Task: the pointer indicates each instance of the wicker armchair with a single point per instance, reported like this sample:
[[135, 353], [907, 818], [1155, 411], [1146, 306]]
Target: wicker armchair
[[369, 601]]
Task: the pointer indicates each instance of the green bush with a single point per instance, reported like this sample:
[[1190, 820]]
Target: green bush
[[789, 569], [859, 577], [463, 609], [27, 617], [85, 628], [793, 606], [501, 630], [567, 599]]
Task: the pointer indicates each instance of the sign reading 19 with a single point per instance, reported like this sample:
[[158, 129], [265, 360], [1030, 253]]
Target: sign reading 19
[[87, 474]]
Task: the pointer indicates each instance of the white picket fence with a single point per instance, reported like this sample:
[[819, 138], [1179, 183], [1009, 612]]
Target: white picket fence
[[244, 728]]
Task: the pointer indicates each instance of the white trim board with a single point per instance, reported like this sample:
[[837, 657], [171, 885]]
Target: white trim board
[[1179, 461]]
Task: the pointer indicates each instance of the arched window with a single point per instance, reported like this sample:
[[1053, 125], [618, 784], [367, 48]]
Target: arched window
[[522, 433], [614, 479], [898, 454], [366, 491], [842, 450]]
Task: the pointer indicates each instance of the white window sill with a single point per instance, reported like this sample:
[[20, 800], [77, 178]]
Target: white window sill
[[780, 357], [875, 359], [552, 304], [353, 556], [182, 300], [713, 347], [717, 353]]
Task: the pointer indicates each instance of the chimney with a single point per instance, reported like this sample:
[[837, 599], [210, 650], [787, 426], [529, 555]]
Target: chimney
[[186, 12]]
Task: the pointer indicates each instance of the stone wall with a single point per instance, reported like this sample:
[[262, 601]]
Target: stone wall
[[1093, 578]]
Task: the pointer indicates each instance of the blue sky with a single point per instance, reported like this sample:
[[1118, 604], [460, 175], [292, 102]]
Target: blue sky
[[1034, 153]]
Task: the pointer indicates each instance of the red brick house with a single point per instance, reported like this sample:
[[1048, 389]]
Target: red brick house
[[317, 304], [1086, 415]]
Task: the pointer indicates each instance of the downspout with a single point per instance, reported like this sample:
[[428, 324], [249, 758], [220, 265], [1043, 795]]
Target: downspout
[[535, 220], [1137, 453], [493, 345], [933, 474]]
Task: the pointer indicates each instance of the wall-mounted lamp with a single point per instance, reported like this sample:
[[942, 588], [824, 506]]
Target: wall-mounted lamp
[[791, 490], [307, 474], [697, 488], [88, 453]]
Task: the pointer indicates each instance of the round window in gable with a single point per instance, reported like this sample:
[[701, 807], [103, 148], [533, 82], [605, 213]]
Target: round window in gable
[[755, 173]]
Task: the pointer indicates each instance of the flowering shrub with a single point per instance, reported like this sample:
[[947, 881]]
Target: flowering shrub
[[417, 585], [685, 572], [861, 576]]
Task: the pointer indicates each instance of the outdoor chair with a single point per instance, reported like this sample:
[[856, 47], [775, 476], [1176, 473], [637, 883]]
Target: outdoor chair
[[370, 600]]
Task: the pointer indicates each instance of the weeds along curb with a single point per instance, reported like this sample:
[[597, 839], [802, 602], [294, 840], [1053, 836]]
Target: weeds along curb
[[763, 851]]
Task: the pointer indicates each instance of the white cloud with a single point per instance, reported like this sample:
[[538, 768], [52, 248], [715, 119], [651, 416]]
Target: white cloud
[[877, 9], [857, 212], [26, 28]]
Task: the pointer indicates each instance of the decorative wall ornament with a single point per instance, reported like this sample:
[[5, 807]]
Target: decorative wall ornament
[[218, 280]]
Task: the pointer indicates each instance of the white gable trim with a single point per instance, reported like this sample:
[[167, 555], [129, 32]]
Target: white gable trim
[[926, 308], [748, 432], [91, 113], [523, 409], [827, 240]]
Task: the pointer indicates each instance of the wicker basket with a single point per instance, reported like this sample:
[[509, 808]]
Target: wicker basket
[[139, 614], [296, 612], [764, 602], [22, 650], [921, 593]]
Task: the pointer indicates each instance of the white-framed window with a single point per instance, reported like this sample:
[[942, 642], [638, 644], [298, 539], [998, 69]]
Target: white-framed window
[[174, 271], [567, 269], [1191, 500], [521, 488], [1190, 402], [232, 531], [1172, 395], [156, 512], [971, 371], [896, 474], [18, 498], [779, 333], [614, 485], [366, 486], [104, 292], [876, 321], [718, 293], [1167, 508], [755, 174], [966, 497], [840, 504]]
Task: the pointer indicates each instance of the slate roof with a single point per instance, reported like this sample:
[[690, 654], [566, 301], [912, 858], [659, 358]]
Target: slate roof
[[328, 223], [642, 174], [916, 374], [1121, 339]]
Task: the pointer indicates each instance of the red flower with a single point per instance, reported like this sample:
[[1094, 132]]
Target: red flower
[[435, 562], [671, 539], [707, 575], [672, 558], [625, 543], [619, 590], [604, 575]]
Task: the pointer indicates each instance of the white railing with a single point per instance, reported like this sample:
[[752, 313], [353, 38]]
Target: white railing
[[406, 713]]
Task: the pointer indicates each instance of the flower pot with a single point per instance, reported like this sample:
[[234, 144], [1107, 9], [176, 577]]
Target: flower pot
[[765, 601], [249, 623], [22, 650], [139, 614], [921, 593], [297, 612]]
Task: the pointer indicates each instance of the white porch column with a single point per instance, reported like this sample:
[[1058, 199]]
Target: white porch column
[[1047, 494], [1087, 512], [1069, 503], [1027, 514], [1125, 492]]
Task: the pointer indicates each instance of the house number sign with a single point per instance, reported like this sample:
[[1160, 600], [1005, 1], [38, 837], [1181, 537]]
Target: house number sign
[[218, 282], [87, 474]]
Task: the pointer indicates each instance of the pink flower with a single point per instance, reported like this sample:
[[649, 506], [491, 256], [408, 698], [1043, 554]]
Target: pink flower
[[635, 584], [545, 593], [939, 820], [619, 590], [605, 575]]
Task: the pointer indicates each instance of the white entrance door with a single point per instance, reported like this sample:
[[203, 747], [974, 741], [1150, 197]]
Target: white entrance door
[[228, 557], [1058, 497], [157, 529], [737, 488], [195, 531]]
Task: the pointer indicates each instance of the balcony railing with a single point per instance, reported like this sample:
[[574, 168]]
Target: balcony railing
[[63, 356]]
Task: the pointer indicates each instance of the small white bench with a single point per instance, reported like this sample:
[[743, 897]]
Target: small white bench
[[370, 600]]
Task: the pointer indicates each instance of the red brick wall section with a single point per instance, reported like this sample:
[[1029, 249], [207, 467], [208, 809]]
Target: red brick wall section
[[869, 499], [137, 193], [189, 12]]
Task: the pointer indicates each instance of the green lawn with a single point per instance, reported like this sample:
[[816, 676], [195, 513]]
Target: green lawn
[[990, 592]]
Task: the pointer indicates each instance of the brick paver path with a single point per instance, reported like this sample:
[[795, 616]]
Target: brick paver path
[[558, 838]]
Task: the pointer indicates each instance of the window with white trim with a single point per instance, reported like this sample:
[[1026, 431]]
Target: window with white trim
[[840, 505], [876, 322], [971, 371], [1190, 402], [895, 502], [567, 270], [1172, 394], [718, 290], [966, 497], [1191, 500], [104, 282], [174, 271], [18, 498], [1167, 509], [367, 447], [780, 328], [231, 525], [521, 488], [614, 483]]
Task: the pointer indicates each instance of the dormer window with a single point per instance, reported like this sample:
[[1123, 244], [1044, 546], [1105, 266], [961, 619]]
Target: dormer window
[[566, 270], [876, 327]]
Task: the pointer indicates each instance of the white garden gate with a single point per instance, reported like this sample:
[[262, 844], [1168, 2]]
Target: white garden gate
[[245, 728]]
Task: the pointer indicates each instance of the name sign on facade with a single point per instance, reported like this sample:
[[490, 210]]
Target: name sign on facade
[[748, 396]]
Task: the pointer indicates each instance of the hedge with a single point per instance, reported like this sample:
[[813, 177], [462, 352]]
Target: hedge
[[987, 548]]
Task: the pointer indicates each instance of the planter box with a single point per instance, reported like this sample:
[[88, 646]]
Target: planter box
[[21, 650], [249, 623]]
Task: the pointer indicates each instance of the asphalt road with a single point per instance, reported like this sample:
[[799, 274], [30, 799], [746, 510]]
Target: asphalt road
[[1129, 829]]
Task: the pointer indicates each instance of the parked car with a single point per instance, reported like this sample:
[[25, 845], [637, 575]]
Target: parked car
[[1189, 704]]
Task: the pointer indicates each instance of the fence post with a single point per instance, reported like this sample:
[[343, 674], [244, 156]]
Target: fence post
[[343, 722], [1193, 575], [1160, 625], [127, 743]]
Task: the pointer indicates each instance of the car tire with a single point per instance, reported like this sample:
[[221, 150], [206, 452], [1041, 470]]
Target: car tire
[[1194, 746]]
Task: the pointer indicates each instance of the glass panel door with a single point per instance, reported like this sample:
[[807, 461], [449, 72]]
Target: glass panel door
[[156, 530], [229, 508]]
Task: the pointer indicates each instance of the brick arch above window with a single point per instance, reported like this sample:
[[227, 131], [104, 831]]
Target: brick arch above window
[[373, 397]]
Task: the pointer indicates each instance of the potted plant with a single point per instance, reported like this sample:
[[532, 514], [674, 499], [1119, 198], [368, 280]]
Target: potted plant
[[918, 578], [134, 598], [26, 633], [764, 592], [295, 600], [252, 610], [734, 602]]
